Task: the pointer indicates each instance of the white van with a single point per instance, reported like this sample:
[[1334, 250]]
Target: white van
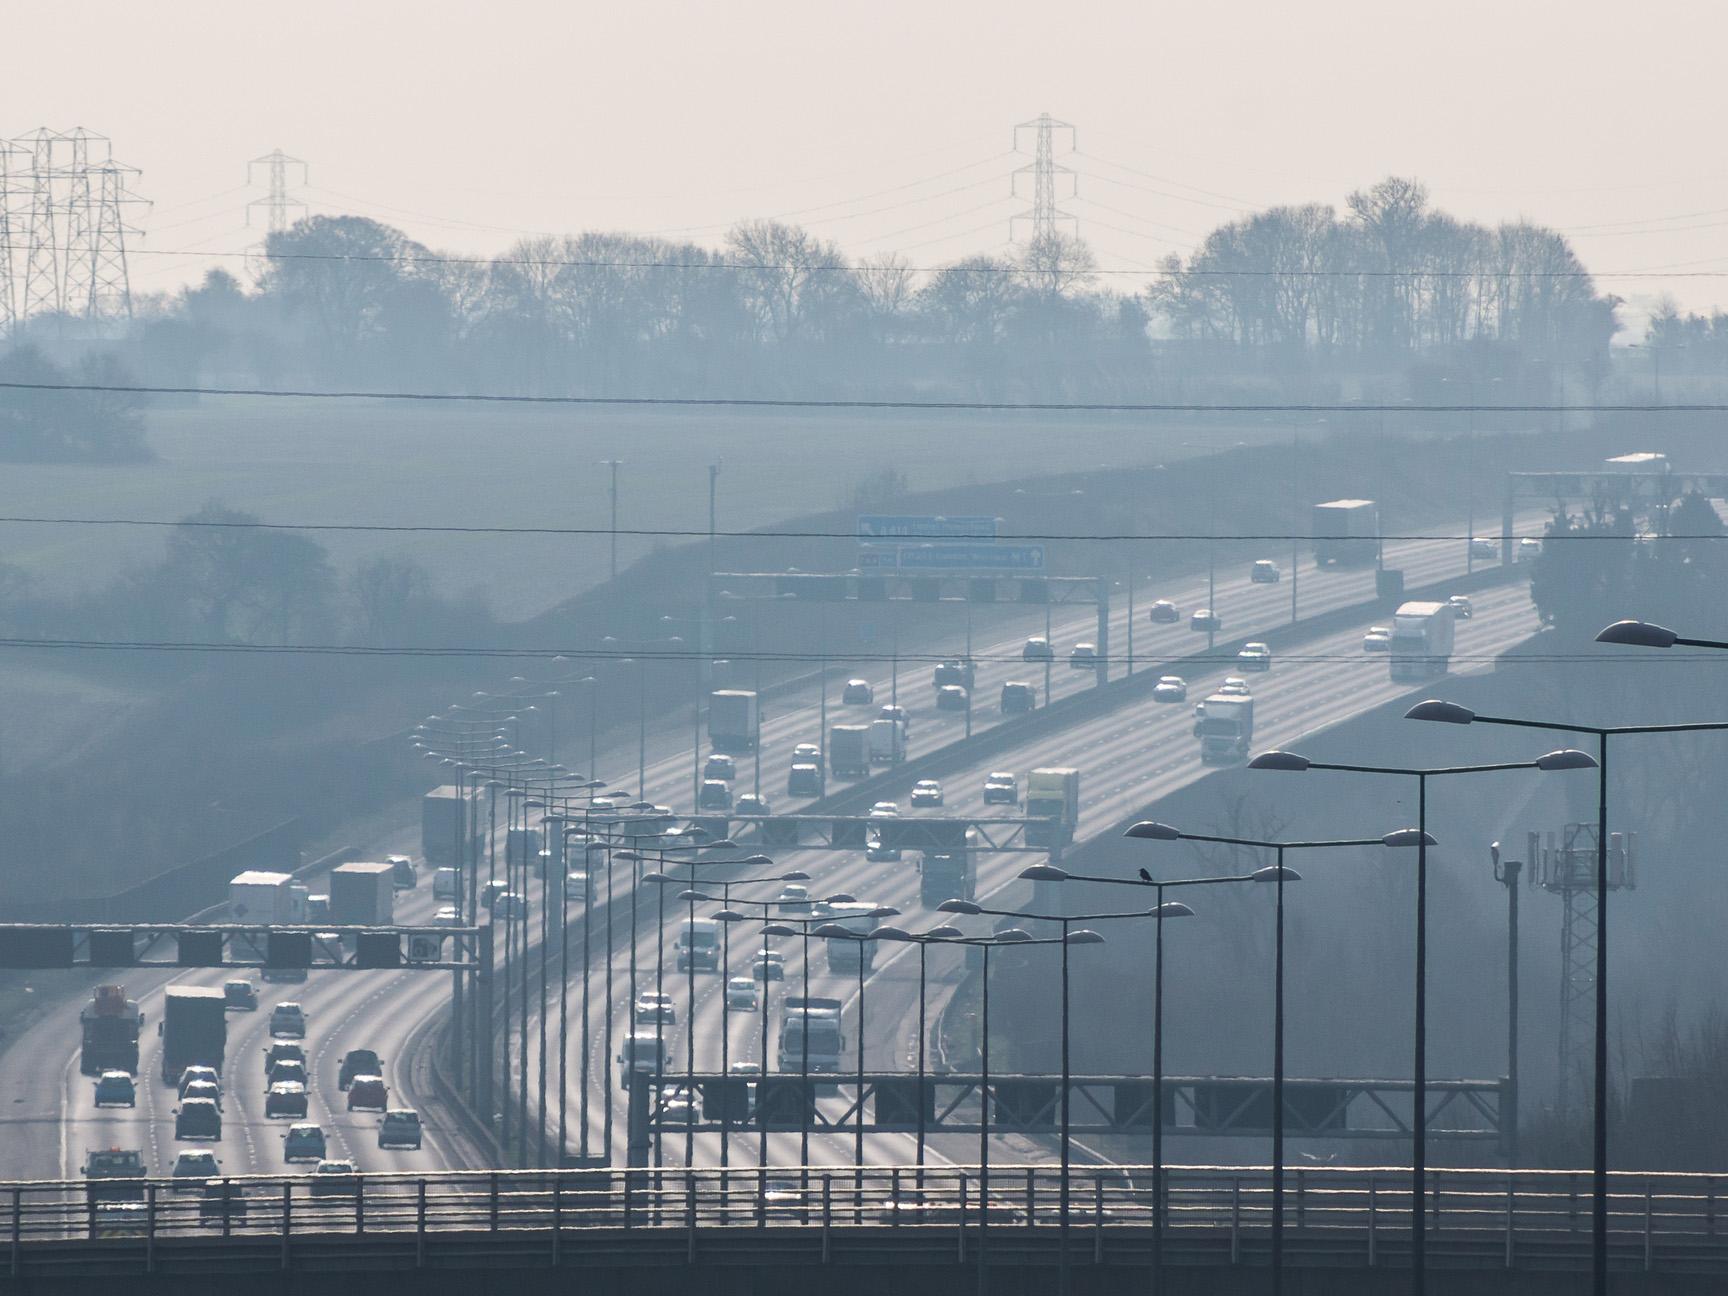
[[445, 884]]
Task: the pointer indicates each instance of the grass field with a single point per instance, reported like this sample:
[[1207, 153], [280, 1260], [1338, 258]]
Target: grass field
[[399, 464]]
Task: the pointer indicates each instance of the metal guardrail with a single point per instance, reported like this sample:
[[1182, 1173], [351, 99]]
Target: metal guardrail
[[1215, 1215]]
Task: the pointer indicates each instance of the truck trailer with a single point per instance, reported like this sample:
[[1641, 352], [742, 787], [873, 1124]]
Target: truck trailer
[[444, 813], [362, 894], [1421, 641], [849, 750], [734, 720], [194, 1029], [1053, 795], [269, 899], [1346, 533], [110, 1023], [887, 742]]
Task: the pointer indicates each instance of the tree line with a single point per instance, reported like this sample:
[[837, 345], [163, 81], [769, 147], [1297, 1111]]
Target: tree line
[[1292, 294]]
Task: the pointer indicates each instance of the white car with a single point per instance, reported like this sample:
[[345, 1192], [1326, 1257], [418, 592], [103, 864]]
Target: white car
[[720, 767], [679, 1106], [193, 1168], [1255, 657], [1378, 639], [1529, 548], [857, 692], [1170, 688], [652, 1008], [1460, 605], [1264, 572], [806, 752], [1083, 656], [794, 897], [446, 916], [741, 994], [1483, 547], [1205, 619], [199, 1075], [885, 808], [926, 792], [1001, 788], [1234, 686]]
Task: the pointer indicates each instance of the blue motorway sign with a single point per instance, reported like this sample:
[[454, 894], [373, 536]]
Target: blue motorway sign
[[972, 557], [908, 526]]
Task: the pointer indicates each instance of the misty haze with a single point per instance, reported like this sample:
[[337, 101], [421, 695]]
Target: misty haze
[[778, 648]]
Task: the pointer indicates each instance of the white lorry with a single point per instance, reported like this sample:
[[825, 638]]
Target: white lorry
[[887, 742], [810, 1031], [1421, 640], [1224, 723], [268, 899]]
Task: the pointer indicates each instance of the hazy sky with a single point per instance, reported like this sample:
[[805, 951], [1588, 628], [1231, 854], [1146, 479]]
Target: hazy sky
[[887, 126]]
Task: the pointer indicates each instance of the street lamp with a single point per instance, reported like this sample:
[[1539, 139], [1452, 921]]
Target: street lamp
[[1293, 762], [1161, 910], [1278, 874], [1069, 936], [935, 935], [1451, 713]]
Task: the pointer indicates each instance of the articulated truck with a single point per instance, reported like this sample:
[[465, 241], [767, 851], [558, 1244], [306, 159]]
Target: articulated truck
[[1346, 533], [110, 1023], [1225, 727], [1421, 641], [1052, 795], [194, 1029], [734, 720], [849, 751], [810, 1030]]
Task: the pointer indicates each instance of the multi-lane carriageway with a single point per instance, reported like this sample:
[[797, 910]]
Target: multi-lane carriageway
[[1128, 758]]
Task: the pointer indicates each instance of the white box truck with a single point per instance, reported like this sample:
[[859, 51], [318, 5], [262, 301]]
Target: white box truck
[[734, 718], [810, 1030], [269, 899], [887, 742], [363, 894], [1421, 641], [1225, 727], [1346, 532]]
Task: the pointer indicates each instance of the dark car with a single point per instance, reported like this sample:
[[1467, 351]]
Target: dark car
[[1037, 649], [358, 1062], [283, 1051], [805, 779], [198, 1118], [285, 1071], [1164, 612], [400, 1128], [1018, 697], [857, 692], [335, 1179], [402, 874], [285, 1099], [304, 1143], [714, 795], [1205, 619], [241, 995], [368, 1093]]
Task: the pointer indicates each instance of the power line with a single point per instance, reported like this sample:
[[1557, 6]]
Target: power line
[[765, 402], [692, 533], [880, 658], [1205, 272]]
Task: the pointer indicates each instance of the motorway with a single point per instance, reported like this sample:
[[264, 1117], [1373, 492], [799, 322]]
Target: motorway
[[1128, 758]]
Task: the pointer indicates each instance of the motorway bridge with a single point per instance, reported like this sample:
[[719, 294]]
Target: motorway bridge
[[856, 1229]]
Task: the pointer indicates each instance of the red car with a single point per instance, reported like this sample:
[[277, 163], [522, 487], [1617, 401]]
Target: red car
[[367, 1092]]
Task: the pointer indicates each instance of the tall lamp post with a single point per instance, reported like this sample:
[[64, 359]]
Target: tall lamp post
[[1277, 874], [1452, 713], [1292, 762], [1070, 936], [1161, 910], [935, 936]]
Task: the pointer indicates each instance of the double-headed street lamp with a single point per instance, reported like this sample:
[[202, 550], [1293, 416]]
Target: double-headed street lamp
[[1278, 874], [1161, 910], [802, 928], [923, 940], [1070, 936], [1452, 713], [1292, 762]]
